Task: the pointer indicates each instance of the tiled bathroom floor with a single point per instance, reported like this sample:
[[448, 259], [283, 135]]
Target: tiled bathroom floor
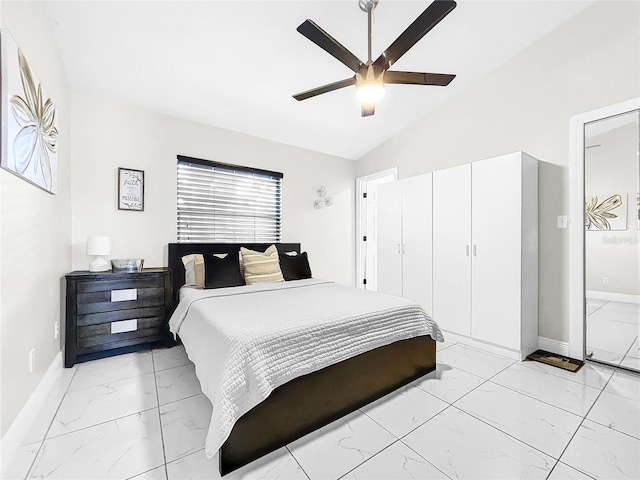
[[478, 415], [613, 329]]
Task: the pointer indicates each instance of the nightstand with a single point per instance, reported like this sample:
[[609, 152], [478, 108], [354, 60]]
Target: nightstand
[[109, 313]]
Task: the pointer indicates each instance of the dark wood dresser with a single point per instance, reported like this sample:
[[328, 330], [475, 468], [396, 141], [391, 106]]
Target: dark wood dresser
[[109, 313]]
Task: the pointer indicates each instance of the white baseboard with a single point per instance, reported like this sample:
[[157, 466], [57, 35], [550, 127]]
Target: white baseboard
[[17, 432], [613, 297], [554, 346], [487, 347], [548, 344]]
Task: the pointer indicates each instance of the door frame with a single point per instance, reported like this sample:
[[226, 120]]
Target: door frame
[[576, 212], [361, 219]]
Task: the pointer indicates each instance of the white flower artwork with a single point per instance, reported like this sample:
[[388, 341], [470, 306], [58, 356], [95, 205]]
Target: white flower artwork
[[30, 139], [606, 212]]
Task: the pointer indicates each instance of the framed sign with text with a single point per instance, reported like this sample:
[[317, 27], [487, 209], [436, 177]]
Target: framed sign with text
[[130, 189]]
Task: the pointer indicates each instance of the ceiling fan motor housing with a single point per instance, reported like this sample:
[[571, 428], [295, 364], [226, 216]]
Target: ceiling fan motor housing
[[369, 73]]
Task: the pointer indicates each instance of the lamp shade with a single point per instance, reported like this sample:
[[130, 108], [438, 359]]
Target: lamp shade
[[98, 245]]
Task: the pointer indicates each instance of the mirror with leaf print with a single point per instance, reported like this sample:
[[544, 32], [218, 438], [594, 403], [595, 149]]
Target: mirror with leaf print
[[612, 243], [29, 119]]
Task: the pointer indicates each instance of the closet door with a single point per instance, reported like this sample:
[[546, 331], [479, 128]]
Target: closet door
[[417, 241], [452, 249], [390, 238], [496, 227]]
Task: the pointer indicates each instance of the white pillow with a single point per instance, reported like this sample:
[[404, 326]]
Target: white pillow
[[189, 262], [194, 269]]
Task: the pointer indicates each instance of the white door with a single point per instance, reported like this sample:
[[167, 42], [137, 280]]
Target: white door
[[370, 232], [496, 227], [367, 226], [390, 238], [416, 240], [452, 249]]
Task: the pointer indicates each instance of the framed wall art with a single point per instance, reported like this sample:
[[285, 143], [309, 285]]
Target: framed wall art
[[29, 141], [130, 189], [606, 212]]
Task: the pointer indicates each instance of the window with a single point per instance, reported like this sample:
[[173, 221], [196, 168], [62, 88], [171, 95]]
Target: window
[[227, 203]]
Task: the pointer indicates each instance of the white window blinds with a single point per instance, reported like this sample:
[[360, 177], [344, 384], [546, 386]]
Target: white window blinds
[[227, 203]]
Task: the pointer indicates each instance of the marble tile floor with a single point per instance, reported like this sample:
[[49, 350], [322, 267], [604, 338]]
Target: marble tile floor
[[479, 415], [613, 332]]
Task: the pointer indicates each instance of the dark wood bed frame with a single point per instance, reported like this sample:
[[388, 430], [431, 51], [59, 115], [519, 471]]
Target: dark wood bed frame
[[307, 403]]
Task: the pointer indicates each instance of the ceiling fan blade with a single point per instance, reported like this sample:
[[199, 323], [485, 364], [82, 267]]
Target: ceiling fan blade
[[368, 109], [414, 32], [329, 44], [417, 78], [325, 88]]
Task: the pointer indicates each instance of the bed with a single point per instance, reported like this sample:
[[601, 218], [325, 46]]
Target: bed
[[275, 376]]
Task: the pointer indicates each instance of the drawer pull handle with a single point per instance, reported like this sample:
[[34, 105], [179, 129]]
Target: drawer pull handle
[[124, 326], [124, 295]]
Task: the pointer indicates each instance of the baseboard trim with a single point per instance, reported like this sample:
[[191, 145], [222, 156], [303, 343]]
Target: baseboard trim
[[554, 346], [613, 297], [487, 347], [548, 344], [17, 432]]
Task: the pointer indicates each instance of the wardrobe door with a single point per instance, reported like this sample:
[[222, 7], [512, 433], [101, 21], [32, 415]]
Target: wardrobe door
[[390, 238], [416, 240], [452, 249], [496, 266]]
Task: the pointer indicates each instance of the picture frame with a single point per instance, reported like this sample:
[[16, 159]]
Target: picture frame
[[606, 212], [27, 152], [130, 189]]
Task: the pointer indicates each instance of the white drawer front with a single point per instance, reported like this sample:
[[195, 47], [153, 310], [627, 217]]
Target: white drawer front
[[124, 326], [124, 295]]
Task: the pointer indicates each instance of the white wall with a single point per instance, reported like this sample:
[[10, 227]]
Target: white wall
[[108, 135], [591, 61], [613, 168], [35, 251]]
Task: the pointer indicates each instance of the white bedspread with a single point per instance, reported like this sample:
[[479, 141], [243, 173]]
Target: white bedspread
[[246, 341]]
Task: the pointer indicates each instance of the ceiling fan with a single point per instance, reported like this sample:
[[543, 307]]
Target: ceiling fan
[[371, 76]]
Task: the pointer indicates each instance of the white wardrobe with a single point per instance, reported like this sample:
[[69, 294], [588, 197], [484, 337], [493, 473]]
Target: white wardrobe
[[404, 239], [484, 253]]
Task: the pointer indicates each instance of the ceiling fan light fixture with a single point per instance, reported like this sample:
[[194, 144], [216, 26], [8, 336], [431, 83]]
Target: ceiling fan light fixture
[[370, 91]]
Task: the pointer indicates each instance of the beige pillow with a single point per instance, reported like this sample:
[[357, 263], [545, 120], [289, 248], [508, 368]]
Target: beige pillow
[[194, 270], [241, 262], [261, 267]]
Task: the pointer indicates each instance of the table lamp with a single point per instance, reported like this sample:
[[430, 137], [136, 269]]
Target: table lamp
[[99, 246]]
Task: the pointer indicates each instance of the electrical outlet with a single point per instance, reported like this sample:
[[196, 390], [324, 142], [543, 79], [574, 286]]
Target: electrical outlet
[[32, 360], [605, 280], [56, 330]]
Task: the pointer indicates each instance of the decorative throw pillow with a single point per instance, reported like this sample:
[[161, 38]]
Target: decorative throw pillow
[[241, 262], [222, 272], [194, 270], [295, 267], [293, 252], [261, 267]]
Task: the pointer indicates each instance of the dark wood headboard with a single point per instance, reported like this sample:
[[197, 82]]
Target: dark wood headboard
[[178, 250]]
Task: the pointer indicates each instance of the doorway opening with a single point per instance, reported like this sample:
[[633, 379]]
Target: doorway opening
[[367, 226]]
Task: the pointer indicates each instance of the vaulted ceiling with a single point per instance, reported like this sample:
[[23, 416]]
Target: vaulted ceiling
[[235, 64]]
